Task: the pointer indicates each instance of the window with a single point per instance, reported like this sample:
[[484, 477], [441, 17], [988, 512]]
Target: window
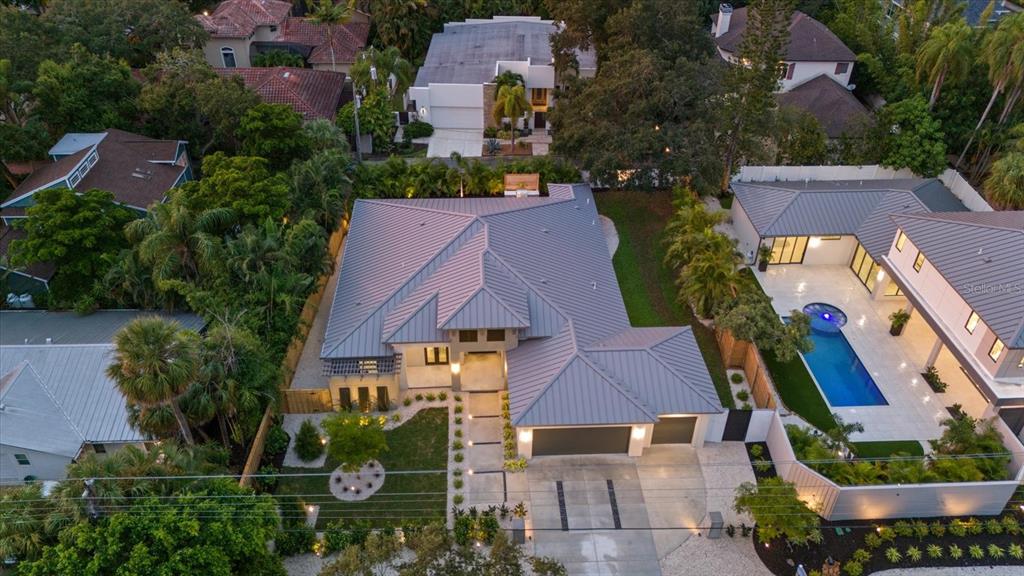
[[539, 96], [74, 180], [996, 350], [228, 55], [972, 322], [436, 355], [865, 267], [829, 238], [22, 459], [789, 70], [842, 67], [495, 335], [901, 241], [468, 336], [788, 249], [919, 262], [99, 448]]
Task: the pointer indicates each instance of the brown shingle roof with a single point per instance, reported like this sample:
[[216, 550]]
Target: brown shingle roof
[[348, 39], [312, 93], [43, 270], [809, 40], [836, 108], [49, 173], [239, 18]]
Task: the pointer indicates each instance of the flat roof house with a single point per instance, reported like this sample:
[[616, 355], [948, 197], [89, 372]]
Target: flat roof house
[[56, 401], [482, 294], [815, 73], [454, 88], [136, 169]]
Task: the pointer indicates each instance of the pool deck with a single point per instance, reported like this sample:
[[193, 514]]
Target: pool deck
[[914, 412]]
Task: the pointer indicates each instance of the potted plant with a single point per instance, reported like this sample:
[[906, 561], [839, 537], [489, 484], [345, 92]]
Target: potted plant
[[931, 376], [899, 321], [764, 254]]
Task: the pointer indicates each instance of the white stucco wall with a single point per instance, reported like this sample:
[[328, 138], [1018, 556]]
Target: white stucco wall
[[213, 54], [830, 252], [42, 465], [746, 234], [804, 71], [450, 106]]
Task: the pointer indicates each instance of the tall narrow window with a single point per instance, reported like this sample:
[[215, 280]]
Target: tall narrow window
[[789, 70], [228, 55], [919, 262], [842, 67], [972, 322], [996, 350], [901, 240]]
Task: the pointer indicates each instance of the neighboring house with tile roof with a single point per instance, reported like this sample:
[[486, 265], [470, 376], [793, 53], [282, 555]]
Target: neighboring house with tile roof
[[814, 54], [136, 169], [480, 294], [56, 401], [240, 29], [312, 93]]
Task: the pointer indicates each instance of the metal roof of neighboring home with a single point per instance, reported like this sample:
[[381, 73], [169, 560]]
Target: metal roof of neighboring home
[[347, 39], [980, 255], [239, 18], [31, 418], [312, 93], [809, 40], [68, 328], [836, 108], [468, 52], [825, 208], [413, 268], [74, 141]]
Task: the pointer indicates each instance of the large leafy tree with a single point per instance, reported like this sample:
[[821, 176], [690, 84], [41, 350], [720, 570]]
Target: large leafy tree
[[74, 232], [321, 187], [26, 40], [404, 24], [911, 137], [354, 439], [375, 117], [585, 26], [947, 54], [133, 30], [154, 363], [274, 132], [85, 93], [778, 511], [214, 531], [22, 135], [245, 184], [799, 138], [752, 317]]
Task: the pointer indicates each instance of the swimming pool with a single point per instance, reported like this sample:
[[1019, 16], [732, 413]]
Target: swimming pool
[[839, 372]]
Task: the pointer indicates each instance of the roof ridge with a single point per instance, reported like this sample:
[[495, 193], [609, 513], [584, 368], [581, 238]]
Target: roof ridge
[[398, 202], [57, 403], [426, 301], [629, 393], [483, 275], [547, 385], [943, 217], [661, 361]]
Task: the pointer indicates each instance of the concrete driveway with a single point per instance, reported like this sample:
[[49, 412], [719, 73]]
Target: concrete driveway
[[608, 514], [468, 143]]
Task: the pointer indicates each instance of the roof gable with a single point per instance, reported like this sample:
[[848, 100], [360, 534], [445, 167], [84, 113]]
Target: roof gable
[[239, 18], [809, 39], [32, 418]]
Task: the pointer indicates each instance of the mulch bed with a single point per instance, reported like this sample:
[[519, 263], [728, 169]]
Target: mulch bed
[[508, 150]]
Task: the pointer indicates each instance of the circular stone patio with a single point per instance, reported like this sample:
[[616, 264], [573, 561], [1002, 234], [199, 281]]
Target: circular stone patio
[[358, 485]]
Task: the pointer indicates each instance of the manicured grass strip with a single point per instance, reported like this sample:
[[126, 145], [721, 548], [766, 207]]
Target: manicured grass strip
[[419, 444], [883, 449], [648, 287]]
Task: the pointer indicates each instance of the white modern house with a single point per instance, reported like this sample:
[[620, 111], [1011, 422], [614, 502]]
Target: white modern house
[[454, 89]]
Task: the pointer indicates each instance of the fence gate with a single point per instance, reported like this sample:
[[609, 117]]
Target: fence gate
[[736, 425]]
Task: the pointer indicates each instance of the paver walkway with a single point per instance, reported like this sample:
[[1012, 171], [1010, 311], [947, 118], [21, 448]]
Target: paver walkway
[[485, 456]]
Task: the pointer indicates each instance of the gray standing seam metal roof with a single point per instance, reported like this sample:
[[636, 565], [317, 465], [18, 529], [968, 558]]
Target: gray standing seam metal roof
[[847, 207], [31, 417], [414, 267], [467, 53], [35, 326], [980, 255]]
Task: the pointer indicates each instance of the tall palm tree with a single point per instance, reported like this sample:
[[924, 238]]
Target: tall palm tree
[[710, 279], [1005, 183], [1003, 51], [511, 103], [330, 14], [154, 364], [394, 73], [947, 54], [689, 230]]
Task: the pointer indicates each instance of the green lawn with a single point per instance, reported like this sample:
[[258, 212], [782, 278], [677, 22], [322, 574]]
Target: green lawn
[[419, 444], [648, 287], [883, 449]]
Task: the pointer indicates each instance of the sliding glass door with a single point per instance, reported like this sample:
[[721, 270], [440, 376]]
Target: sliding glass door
[[788, 249]]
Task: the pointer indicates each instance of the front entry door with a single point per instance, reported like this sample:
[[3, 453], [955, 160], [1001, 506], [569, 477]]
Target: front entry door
[[540, 121]]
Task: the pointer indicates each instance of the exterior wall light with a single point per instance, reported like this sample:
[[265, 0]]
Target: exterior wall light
[[456, 368], [526, 435], [639, 432], [814, 242]]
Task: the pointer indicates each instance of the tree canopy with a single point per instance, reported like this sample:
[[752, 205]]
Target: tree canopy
[[245, 184], [912, 137], [274, 132], [778, 511], [354, 439]]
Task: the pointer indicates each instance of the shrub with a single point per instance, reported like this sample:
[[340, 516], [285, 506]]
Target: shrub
[[887, 534], [407, 401], [458, 408], [490, 131], [430, 397], [457, 483], [853, 568], [442, 396], [914, 553], [893, 555], [418, 129], [1011, 525], [993, 526], [737, 378], [488, 527], [458, 432], [396, 417], [419, 397], [931, 376], [934, 551], [861, 555], [277, 441], [267, 477], [458, 420], [336, 537], [458, 457], [457, 499], [995, 551], [921, 530], [743, 395], [354, 439], [293, 540], [756, 450], [463, 529], [955, 552], [1016, 551], [958, 528], [938, 529], [457, 445], [903, 529], [974, 527], [746, 406], [308, 445], [515, 464], [457, 397], [872, 540], [975, 552]]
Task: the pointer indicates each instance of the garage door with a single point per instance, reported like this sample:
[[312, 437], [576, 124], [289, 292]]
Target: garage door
[[549, 442], [459, 118], [674, 430]]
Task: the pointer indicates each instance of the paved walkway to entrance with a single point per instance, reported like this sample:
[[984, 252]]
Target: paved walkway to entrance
[[485, 456]]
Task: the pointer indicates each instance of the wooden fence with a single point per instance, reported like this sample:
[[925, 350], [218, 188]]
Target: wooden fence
[[306, 401], [252, 462], [744, 355]]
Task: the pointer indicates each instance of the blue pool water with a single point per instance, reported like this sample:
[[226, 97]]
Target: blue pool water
[[839, 372]]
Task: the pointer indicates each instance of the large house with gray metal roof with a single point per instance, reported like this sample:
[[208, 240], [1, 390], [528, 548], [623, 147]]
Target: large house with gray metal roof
[[484, 294], [56, 401]]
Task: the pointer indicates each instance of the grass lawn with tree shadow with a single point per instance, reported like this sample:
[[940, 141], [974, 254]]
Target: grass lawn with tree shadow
[[648, 286], [419, 444]]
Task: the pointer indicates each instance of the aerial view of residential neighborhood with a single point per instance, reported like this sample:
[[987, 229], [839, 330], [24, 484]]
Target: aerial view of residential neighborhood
[[511, 287]]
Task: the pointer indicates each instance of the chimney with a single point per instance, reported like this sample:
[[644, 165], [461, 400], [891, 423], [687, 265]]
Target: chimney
[[724, 16]]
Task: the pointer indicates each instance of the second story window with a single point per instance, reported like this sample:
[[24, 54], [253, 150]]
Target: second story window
[[496, 335], [228, 56], [842, 68], [436, 355], [996, 350], [972, 322], [901, 241], [919, 262], [468, 336]]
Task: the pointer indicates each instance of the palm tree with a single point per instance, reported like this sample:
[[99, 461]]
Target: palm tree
[[330, 14], [688, 231], [394, 73], [947, 54], [154, 364], [710, 278], [511, 103], [1003, 51], [1005, 183]]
